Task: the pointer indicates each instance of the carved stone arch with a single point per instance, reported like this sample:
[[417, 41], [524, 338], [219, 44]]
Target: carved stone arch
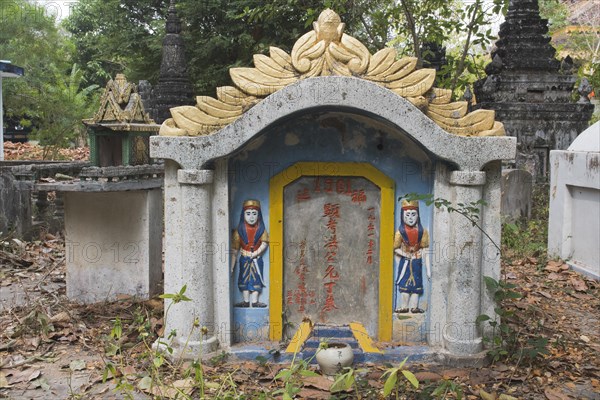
[[341, 93]]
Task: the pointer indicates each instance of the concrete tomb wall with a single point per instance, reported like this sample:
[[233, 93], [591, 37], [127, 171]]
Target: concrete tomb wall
[[113, 244], [574, 222]]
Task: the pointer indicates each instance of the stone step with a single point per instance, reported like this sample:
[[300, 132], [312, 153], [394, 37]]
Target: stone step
[[314, 342], [328, 333]]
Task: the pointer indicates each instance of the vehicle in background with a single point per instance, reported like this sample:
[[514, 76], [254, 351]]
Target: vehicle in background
[[16, 131]]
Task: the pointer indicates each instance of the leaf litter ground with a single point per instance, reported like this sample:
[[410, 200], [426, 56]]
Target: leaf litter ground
[[51, 348]]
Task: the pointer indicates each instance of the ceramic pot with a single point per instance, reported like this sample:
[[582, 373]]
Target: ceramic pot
[[334, 357]]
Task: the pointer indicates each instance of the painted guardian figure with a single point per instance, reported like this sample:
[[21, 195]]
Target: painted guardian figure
[[411, 245], [250, 241]]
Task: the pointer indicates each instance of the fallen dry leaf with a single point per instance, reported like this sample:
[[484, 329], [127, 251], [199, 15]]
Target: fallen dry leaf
[[511, 275], [319, 382], [33, 342], [455, 373], [554, 276], [479, 377], [307, 393], [375, 384], [487, 396], [506, 397], [60, 317], [185, 386], [579, 284], [545, 294], [554, 264], [554, 394], [24, 376], [428, 376], [129, 372], [3, 381]]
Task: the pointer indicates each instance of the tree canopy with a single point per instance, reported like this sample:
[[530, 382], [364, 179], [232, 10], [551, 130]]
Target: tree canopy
[[50, 95], [101, 38], [126, 36]]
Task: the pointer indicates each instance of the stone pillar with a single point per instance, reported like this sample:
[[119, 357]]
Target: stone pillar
[[189, 261], [461, 335]]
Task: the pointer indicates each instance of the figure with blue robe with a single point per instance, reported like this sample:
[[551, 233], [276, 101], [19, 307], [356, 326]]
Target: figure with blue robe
[[250, 240], [411, 245]]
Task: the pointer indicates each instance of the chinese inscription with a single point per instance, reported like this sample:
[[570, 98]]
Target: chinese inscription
[[331, 250]]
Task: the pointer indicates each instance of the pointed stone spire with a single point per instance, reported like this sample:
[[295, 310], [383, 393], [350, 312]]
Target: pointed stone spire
[[173, 22], [529, 91], [174, 87], [524, 42]]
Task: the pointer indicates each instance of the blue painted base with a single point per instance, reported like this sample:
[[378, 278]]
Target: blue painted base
[[251, 325], [328, 333], [394, 355]]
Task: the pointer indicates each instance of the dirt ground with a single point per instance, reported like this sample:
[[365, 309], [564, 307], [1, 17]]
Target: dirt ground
[[53, 349]]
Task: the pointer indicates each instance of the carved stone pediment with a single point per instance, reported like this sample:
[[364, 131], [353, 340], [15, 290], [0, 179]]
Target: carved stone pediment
[[325, 51], [120, 104]]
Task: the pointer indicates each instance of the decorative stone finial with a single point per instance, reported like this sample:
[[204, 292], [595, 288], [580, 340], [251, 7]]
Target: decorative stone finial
[[566, 65], [495, 67], [329, 26], [173, 21]]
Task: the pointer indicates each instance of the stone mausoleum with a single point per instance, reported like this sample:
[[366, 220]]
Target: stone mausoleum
[[288, 215], [531, 90]]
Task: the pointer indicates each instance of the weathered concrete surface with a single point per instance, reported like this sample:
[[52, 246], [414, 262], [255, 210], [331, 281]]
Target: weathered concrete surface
[[17, 193], [517, 186], [113, 244], [574, 223], [331, 251], [15, 205]]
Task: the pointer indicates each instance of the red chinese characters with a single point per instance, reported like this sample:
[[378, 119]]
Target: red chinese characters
[[359, 196], [331, 211], [371, 235], [341, 186], [333, 185], [302, 195], [301, 296]]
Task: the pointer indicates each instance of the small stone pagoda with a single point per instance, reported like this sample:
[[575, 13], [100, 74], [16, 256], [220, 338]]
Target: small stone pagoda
[[174, 87], [113, 213], [120, 129], [530, 90]]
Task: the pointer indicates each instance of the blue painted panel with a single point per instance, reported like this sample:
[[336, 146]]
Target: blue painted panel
[[325, 137]]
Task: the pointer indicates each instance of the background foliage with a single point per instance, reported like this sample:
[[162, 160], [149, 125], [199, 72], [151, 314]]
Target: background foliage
[[66, 61], [50, 95]]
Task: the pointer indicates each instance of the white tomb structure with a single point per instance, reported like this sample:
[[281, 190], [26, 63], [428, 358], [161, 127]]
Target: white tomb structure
[[574, 224], [297, 136]]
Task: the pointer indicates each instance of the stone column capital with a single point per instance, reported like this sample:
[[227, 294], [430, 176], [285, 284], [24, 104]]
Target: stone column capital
[[467, 178], [195, 176]]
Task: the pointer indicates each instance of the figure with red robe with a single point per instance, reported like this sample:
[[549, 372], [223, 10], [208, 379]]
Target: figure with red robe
[[411, 245], [250, 240]]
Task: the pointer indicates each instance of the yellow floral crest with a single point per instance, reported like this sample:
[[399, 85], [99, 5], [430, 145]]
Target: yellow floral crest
[[324, 51]]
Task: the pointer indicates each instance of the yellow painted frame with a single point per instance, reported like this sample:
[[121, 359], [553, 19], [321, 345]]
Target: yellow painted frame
[[386, 236]]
